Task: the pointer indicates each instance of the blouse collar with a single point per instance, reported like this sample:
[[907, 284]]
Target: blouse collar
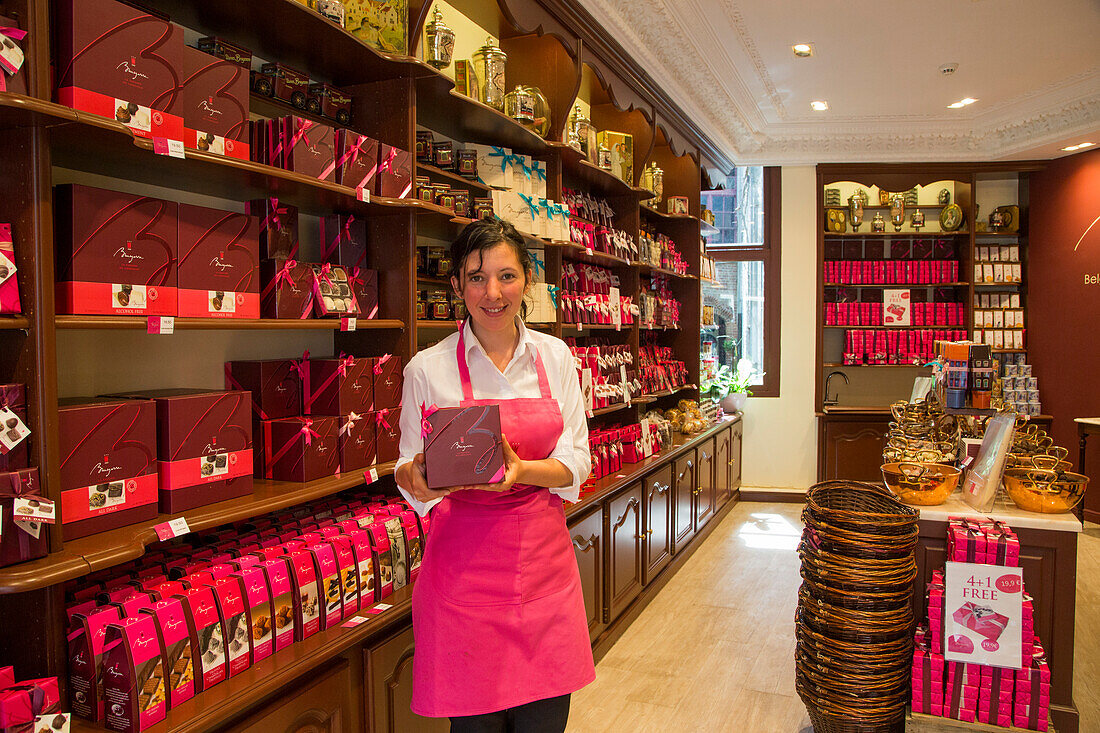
[[526, 344]]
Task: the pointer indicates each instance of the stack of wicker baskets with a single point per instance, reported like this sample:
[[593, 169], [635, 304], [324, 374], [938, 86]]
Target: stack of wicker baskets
[[854, 624]]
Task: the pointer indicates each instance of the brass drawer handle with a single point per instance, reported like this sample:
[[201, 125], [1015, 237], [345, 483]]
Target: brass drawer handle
[[584, 545], [729, 462], [640, 536], [698, 491], [649, 531]]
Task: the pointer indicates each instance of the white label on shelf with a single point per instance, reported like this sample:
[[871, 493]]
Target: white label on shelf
[[163, 325], [173, 528], [347, 324], [12, 430], [34, 509], [371, 475], [382, 606], [624, 383], [165, 146], [354, 621], [363, 194], [615, 302]]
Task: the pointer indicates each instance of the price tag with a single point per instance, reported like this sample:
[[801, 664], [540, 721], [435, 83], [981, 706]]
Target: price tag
[[354, 621], [34, 509], [589, 251], [624, 383], [371, 475], [580, 326], [165, 146], [34, 529], [382, 607], [615, 302], [174, 528], [163, 325], [12, 430], [363, 194], [347, 324]]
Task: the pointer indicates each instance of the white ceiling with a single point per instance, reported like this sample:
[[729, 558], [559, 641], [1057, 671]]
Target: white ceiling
[[1033, 66]]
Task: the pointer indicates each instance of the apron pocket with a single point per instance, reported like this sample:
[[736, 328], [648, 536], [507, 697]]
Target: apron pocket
[[475, 560], [549, 563]]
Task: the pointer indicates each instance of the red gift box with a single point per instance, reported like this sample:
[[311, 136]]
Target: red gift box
[[394, 172], [9, 280], [344, 240], [116, 253], [213, 102], [134, 678], [387, 382], [981, 619], [358, 446], [310, 149], [218, 264], [388, 433], [22, 541], [301, 449], [335, 387], [462, 446], [332, 293], [287, 289], [86, 637], [121, 63], [357, 166], [278, 227], [364, 285], [176, 651]]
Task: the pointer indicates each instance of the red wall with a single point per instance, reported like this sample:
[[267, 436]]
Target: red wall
[[1064, 300]]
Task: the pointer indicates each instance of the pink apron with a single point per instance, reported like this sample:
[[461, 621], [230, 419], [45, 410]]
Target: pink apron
[[498, 612]]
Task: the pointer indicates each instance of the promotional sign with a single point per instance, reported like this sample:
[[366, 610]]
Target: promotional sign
[[896, 307], [983, 610]]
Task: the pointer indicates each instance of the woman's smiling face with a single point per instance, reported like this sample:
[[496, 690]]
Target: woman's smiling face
[[493, 285]]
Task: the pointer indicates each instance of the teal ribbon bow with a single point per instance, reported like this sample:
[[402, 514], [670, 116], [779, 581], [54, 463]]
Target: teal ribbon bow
[[554, 290], [505, 158], [532, 207], [538, 263]]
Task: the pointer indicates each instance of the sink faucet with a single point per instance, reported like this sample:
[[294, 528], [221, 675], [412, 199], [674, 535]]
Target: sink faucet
[[835, 399]]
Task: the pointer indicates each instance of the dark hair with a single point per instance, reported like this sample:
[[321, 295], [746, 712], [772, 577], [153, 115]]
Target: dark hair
[[483, 234]]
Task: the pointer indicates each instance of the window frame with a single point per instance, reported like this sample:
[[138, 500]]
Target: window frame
[[769, 253]]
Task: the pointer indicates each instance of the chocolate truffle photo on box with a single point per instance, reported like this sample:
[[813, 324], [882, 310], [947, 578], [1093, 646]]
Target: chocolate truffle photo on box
[[212, 646], [182, 671], [397, 548], [237, 630]]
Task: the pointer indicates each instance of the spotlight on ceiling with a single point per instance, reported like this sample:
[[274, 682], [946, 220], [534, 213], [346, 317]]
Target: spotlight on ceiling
[[1079, 146], [962, 103], [802, 50], [819, 105]]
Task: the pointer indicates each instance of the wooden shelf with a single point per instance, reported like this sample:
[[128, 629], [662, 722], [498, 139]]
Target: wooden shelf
[[578, 172], [665, 393], [444, 110], [450, 325], [908, 207], [451, 177], [653, 269], [14, 322], [224, 324], [650, 211], [897, 235], [573, 251], [996, 234], [107, 549], [610, 409], [899, 328], [581, 328], [837, 365], [997, 285], [899, 285], [659, 328], [430, 280]]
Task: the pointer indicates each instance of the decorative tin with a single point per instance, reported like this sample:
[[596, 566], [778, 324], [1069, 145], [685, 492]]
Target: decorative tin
[[855, 211], [334, 10], [897, 211], [424, 143], [878, 224], [585, 133], [528, 106], [424, 190], [443, 155], [489, 65], [916, 220], [462, 203], [439, 42], [951, 218], [467, 164], [603, 157]]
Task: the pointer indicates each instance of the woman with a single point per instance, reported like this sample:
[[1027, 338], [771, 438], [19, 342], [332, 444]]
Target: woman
[[498, 614]]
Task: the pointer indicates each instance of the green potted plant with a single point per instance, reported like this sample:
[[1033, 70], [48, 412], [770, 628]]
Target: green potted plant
[[731, 386]]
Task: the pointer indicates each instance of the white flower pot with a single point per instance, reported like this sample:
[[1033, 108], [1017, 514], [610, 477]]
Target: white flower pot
[[734, 402]]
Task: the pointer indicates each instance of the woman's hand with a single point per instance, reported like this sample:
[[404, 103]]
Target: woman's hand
[[513, 469], [412, 478]]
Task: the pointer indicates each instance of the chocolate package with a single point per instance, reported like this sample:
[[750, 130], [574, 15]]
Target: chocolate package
[[13, 401], [108, 452], [367, 568], [280, 589], [413, 542], [9, 281], [357, 441], [20, 540], [13, 81], [278, 233], [463, 447], [274, 385], [204, 624], [204, 442], [288, 289], [332, 293], [133, 676], [300, 449], [399, 551], [121, 63], [116, 253], [349, 572], [213, 102], [388, 381], [218, 264], [387, 428], [86, 637], [310, 149], [395, 176], [364, 285], [344, 240], [258, 607], [234, 613], [176, 649], [337, 386], [382, 549], [329, 584], [358, 161], [306, 595]]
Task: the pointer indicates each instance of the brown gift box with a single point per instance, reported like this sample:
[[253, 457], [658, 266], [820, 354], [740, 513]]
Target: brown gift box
[[344, 240], [278, 227], [310, 148], [358, 163], [213, 102], [388, 431], [395, 176], [464, 447], [15, 83], [364, 285], [218, 263], [387, 382], [287, 289], [337, 386], [16, 543], [300, 449], [357, 441]]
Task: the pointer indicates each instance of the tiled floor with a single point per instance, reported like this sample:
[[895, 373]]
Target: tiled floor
[[714, 651]]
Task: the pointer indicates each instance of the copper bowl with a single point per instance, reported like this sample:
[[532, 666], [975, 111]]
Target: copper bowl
[[1044, 491], [921, 483]]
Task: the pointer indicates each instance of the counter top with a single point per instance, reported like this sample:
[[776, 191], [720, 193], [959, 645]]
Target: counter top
[[869, 410], [1094, 421], [1003, 510]]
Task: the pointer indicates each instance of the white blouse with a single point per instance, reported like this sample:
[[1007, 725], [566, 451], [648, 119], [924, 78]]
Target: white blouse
[[431, 377]]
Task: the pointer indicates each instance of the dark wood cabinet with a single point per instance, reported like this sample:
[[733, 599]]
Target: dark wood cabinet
[[388, 689], [587, 536], [734, 461], [320, 705], [850, 447], [623, 529], [656, 518], [683, 487], [705, 500], [722, 467]]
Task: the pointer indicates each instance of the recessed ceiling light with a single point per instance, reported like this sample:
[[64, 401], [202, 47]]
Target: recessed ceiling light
[[802, 50], [819, 105], [962, 103], [1071, 148]]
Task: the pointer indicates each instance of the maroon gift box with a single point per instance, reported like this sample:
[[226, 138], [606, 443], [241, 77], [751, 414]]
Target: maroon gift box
[[134, 680], [358, 441], [364, 285], [394, 172], [15, 83], [337, 386], [307, 596], [310, 148], [108, 451], [207, 633], [9, 288], [278, 227], [204, 439], [464, 447], [287, 289], [358, 162], [274, 384], [387, 382], [119, 62], [176, 650], [332, 293], [301, 449], [213, 102], [19, 457], [17, 544], [116, 253], [87, 632], [218, 263], [344, 240], [387, 428]]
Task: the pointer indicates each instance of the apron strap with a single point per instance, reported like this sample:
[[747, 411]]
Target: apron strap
[[464, 369]]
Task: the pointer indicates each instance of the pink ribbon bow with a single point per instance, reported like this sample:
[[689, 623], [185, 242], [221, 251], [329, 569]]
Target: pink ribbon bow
[[425, 413], [326, 269], [302, 365], [283, 275], [301, 131], [382, 360], [380, 418], [347, 427], [346, 362], [387, 164], [308, 431], [276, 222]]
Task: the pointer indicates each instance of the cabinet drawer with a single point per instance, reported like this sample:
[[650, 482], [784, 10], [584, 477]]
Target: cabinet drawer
[[587, 537], [656, 519], [623, 529]]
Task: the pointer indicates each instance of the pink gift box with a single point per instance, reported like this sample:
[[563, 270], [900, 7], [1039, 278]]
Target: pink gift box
[[981, 619], [1040, 724]]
